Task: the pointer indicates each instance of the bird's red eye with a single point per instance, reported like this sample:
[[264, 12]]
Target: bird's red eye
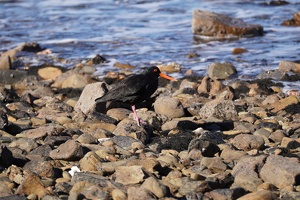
[[155, 70]]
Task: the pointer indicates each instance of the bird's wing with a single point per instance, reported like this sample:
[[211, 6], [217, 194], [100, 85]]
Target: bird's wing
[[126, 88]]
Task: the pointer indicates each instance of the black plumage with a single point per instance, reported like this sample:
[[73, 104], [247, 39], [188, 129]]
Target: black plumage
[[135, 88]]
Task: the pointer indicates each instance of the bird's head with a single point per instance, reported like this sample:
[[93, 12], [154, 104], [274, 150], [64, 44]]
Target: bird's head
[[156, 72]]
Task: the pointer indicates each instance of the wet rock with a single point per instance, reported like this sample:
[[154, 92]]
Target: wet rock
[[219, 108], [218, 25], [246, 171], [248, 142], [262, 194], [87, 98], [295, 21], [169, 107], [220, 70], [51, 73], [129, 174], [123, 65], [98, 59], [287, 66], [239, 50], [280, 171], [32, 184], [70, 150]]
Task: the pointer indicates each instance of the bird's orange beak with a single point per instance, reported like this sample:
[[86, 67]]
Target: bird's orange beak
[[167, 77]]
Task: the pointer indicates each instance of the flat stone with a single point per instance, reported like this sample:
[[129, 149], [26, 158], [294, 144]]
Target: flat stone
[[51, 73], [262, 194], [283, 103], [129, 174], [70, 150], [248, 142], [280, 171]]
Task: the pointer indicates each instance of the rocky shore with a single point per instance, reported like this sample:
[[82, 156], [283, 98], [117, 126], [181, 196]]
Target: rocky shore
[[202, 139]]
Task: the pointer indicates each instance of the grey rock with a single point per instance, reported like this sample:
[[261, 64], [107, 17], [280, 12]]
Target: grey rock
[[129, 174], [70, 151], [281, 171], [220, 71], [169, 107], [26, 144], [248, 142], [246, 171], [87, 98], [221, 109]]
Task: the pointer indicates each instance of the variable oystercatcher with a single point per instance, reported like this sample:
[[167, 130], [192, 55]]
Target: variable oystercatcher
[[135, 89]]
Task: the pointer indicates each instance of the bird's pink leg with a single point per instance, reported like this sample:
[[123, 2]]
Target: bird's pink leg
[[135, 116]]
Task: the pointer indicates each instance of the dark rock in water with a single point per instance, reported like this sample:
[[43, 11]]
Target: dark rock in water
[[98, 59], [31, 47], [295, 21], [218, 25], [276, 3]]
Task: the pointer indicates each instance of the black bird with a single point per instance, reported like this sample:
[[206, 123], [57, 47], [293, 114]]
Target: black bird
[[135, 89]]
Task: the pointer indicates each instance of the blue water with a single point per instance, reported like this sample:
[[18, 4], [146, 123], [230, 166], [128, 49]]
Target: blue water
[[144, 32]]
